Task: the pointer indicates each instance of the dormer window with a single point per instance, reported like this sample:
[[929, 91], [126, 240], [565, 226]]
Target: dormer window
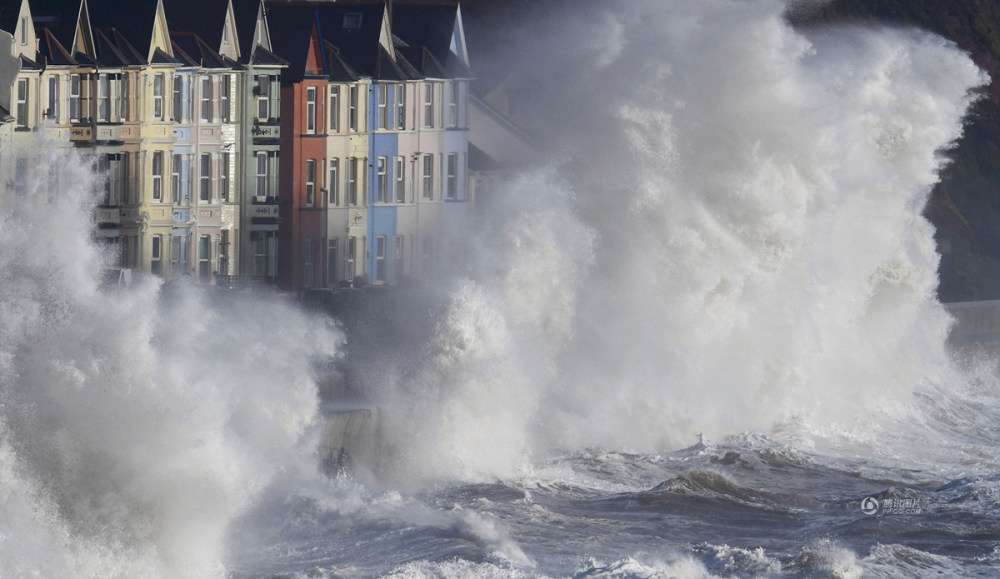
[[352, 21]]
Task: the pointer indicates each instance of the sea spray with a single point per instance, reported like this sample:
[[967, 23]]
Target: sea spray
[[134, 423], [739, 241]]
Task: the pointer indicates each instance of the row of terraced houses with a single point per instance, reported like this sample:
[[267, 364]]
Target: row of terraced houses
[[309, 144]]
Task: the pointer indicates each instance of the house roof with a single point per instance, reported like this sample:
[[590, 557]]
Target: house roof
[[54, 52], [204, 18], [111, 53], [290, 28], [427, 32], [130, 21], [192, 50]]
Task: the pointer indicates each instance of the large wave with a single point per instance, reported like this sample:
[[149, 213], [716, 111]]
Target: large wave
[[726, 234], [133, 424]]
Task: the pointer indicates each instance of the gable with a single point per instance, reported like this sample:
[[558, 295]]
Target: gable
[[83, 37], [230, 44], [25, 40], [160, 40], [314, 59], [385, 36], [458, 47]]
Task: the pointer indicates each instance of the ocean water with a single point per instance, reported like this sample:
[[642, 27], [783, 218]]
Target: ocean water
[[698, 337]]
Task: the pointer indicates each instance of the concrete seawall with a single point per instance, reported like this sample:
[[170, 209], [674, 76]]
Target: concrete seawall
[[976, 322]]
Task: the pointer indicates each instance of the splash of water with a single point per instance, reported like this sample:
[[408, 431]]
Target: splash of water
[[134, 425], [728, 236]]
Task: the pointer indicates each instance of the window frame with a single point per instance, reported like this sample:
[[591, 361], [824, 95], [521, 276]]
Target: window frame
[[310, 110], [205, 178], [334, 112], [157, 173], [158, 80], [310, 199], [451, 189], [333, 186], [400, 179]]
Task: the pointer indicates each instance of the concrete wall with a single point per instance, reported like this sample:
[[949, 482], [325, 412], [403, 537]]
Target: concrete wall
[[976, 322]]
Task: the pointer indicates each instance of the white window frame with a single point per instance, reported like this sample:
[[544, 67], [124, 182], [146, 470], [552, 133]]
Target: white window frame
[[206, 99], [205, 178], [204, 258], [383, 107], [451, 190], [75, 98], [310, 110], [226, 80], [428, 177], [53, 110], [158, 80], [382, 179], [156, 254], [22, 103], [352, 110], [263, 97], [310, 182], [175, 178], [157, 172], [333, 186], [428, 105], [452, 88], [224, 161], [401, 107], [400, 179], [350, 265], [381, 247], [334, 111], [353, 178], [263, 176]]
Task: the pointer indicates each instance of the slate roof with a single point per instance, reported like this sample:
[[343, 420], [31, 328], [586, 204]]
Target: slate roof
[[130, 21], [291, 26], [426, 31], [204, 18], [192, 50], [350, 36], [54, 52]]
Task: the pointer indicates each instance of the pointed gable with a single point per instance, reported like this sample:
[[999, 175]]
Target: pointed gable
[[385, 35], [314, 57], [229, 46], [25, 39], [458, 47], [83, 36], [160, 38]]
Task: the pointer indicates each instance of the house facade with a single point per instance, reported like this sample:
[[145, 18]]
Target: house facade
[[305, 144], [378, 143]]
